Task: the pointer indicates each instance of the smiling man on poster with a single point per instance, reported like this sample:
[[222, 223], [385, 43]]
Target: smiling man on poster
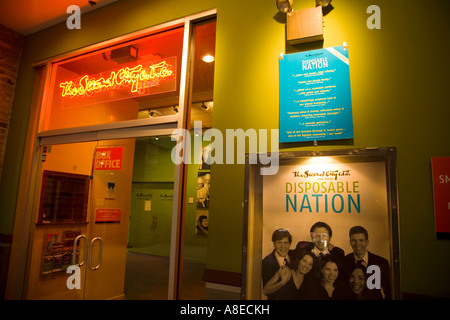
[[359, 241]]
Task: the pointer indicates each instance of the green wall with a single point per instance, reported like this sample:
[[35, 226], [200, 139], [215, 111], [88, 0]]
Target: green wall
[[153, 177], [153, 180], [398, 78]]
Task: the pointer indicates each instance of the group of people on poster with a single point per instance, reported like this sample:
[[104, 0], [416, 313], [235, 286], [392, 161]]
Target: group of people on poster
[[318, 270]]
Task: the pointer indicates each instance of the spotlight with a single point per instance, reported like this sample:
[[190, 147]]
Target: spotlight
[[322, 3], [151, 113], [92, 3], [197, 132], [285, 5], [175, 109], [204, 106]]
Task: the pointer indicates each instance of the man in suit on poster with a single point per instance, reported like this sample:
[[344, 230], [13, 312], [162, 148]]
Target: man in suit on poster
[[276, 271], [359, 241], [321, 247]]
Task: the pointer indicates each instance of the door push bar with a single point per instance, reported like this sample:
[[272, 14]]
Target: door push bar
[[100, 252]]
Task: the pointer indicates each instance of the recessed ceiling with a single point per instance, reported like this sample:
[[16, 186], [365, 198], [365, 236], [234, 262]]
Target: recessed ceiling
[[29, 16]]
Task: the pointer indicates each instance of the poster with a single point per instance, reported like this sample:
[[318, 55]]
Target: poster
[[441, 195], [202, 212], [201, 218], [58, 251], [111, 191], [203, 187], [315, 96], [322, 229]]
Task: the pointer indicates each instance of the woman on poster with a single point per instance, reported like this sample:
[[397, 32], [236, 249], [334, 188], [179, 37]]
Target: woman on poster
[[295, 283], [357, 284], [328, 287], [302, 278]]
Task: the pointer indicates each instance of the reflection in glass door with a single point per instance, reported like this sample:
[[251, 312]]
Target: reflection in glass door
[[149, 235], [105, 206], [198, 179]]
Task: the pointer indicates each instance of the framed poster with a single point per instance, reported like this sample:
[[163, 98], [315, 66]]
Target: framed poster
[[203, 187], [315, 95], [201, 218], [324, 227]]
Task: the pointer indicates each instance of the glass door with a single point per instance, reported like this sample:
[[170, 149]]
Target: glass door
[[103, 221], [150, 222], [109, 219]]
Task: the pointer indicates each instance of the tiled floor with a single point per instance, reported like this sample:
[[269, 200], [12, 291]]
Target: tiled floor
[[147, 277]]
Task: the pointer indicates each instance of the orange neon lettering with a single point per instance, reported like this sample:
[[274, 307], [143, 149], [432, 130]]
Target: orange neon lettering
[[137, 78]]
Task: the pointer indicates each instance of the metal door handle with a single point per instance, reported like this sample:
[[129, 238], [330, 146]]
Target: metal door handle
[[74, 254], [100, 252]]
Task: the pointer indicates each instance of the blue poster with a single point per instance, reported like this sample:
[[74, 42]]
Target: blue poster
[[315, 97]]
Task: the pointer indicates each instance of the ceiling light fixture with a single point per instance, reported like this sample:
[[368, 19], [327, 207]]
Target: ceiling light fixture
[[151, 113], [175, 109], [208, 58], [92, 3], [197, 131], [204, 106], [285, 5]]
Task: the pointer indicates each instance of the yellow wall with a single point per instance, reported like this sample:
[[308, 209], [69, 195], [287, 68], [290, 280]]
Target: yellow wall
[[398, 80]]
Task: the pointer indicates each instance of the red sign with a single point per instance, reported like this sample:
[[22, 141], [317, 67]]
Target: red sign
[[107, 215], [441, 191], [108, 158]]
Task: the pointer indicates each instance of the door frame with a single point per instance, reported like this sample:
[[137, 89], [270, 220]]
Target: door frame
[[18, 270]]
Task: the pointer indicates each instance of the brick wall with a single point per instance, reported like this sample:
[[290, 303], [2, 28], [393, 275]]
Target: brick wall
[[10, 51]]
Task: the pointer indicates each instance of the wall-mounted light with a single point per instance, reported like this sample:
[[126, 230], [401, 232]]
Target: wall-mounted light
[[208, 58], [285, 5], [322, 3]]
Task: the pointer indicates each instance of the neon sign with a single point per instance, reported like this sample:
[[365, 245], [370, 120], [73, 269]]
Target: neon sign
[[137, 79]]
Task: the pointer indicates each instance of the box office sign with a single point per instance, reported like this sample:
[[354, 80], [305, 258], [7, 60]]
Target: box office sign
[[315, 97], [441, 193], [108, 158], [317, 200]]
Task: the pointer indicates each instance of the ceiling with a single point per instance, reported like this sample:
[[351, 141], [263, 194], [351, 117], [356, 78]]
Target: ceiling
[[29, 16]]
